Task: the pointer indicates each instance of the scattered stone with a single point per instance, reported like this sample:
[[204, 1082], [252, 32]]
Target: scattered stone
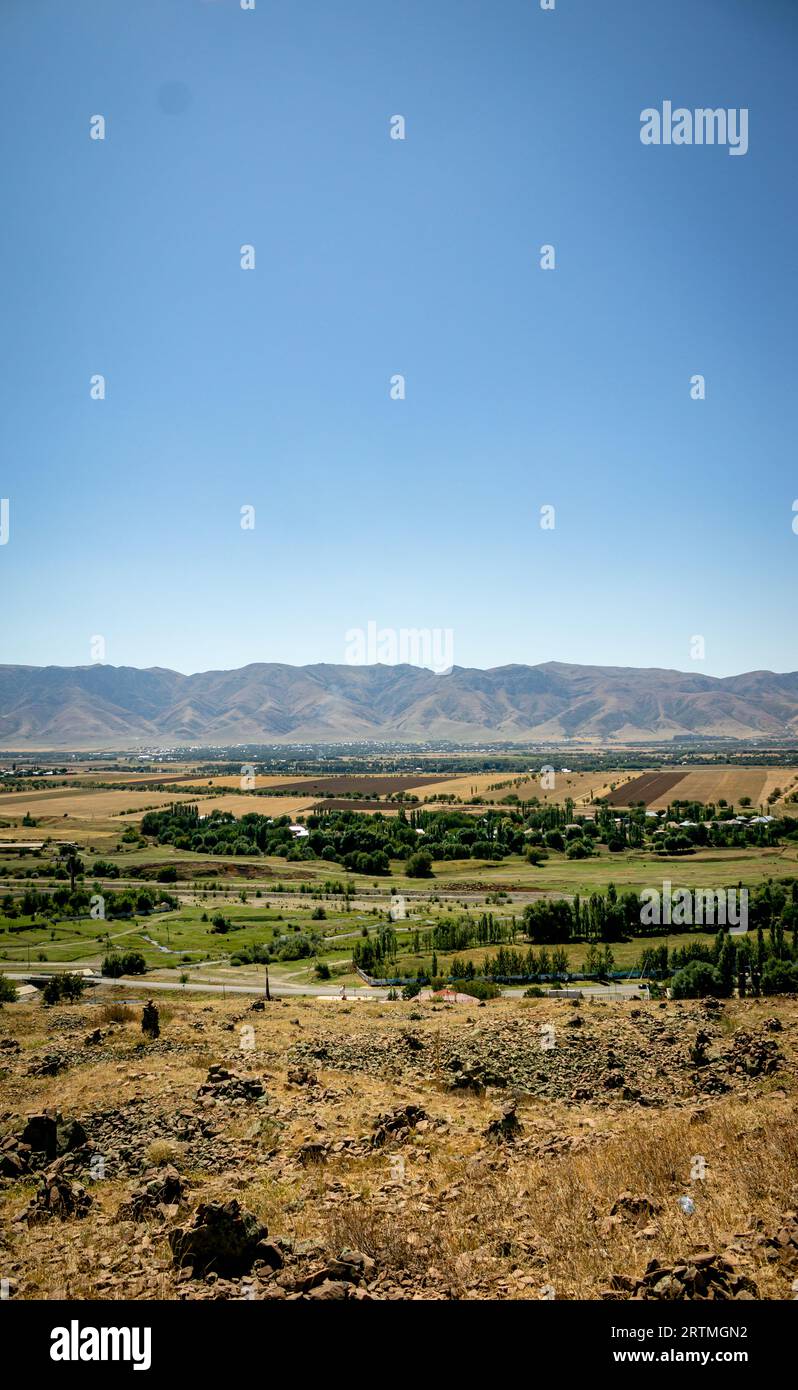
[[396, 1125], [57, 1196], [225, 1085], [706, 1276], [223, 1237], [158, 1194]]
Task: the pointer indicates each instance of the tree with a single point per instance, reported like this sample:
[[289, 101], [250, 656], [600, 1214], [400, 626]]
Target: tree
[[727, 963], [62, 989], [780, 977], [8, 991], [419, 865], [696, 981], [72, 863]]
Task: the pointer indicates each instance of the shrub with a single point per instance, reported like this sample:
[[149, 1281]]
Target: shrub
[[419, 865], [696, 981], [62, 989], [780, 977], [577, 849], [116, 964], [8, 990], [478, 989], [116, 1012]]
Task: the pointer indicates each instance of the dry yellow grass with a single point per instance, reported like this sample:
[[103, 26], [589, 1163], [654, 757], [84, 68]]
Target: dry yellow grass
[[83, 804], [467, 1219]]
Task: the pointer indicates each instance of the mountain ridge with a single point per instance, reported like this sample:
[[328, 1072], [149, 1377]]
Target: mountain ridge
[[101, 706]]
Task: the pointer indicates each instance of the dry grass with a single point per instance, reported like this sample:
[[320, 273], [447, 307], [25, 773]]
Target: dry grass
[[464, 1219]]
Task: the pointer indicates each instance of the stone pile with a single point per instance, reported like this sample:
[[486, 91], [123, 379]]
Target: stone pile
[[709, 1276], [222, 1084], [58, 1195], [158, 1194], [224, 1238]]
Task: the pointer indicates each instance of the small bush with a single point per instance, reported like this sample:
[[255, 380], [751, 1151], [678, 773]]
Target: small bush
[[116, 1012], [8, 990], [63, 989]]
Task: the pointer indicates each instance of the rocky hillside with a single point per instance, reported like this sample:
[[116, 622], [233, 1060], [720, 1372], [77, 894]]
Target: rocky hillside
[[315, 1149]]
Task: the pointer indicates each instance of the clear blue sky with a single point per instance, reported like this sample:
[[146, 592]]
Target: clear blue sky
[[373, 257]]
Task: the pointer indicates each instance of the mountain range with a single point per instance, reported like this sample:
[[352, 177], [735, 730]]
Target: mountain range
[[98, 706]]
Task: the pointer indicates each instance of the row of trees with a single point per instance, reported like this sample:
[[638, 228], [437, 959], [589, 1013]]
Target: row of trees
[[77, 902]]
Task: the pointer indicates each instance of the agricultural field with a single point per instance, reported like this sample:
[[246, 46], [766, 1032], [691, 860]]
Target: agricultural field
[[736, 785], [492, 787]]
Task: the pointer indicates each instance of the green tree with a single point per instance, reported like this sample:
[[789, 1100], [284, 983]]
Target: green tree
[[419, 865], [8, 991]]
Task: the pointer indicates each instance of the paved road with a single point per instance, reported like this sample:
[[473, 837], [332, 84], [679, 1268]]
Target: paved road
[[144, 985]]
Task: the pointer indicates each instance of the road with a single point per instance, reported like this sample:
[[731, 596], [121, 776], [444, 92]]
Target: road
[[145, 985]]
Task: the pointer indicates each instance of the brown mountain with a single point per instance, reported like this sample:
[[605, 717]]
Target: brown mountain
[[111, 707]]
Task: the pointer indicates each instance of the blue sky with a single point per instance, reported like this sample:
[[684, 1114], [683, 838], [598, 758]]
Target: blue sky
[[376, 256]]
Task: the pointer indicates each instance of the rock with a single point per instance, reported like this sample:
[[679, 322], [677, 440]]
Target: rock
[[754, 1056], [14, 1157], [312, 1151], [302, 1076], [351, 1267], [705, 1276], [57, 1196], [698, 1049], [150, 1020], [94, 1039], [507, 1128], [223, 1237], [48, 1133], [396, 1124], [613, 1080], [224, 1085], [634, 1204], [270, 1254], [327, 1290], [51, 1064], [159, 1193]]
